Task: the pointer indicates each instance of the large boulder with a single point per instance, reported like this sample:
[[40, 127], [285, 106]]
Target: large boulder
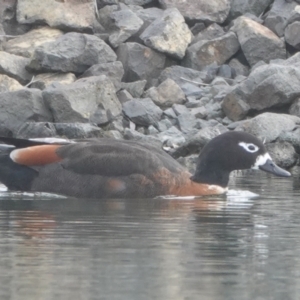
[[8, 84], [18, 107], [269, 126], [142, 111], [169, 34], [14, 66], [24, 45], [241, 7], [291, 34], [207, 52], [200, 10], [278, 16], [166, 94], [257, 41], [126, 24], [181, 75], [283, 153], [113, 70], [140, 62], [43, 80], [70, 15], [267, 86], [91, 99], [72, 52]]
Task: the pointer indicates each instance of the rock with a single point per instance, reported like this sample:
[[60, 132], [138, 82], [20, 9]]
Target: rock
[[295, 108], [267, 86], [192, 102], [204, 53], [42, 81], [66, 15], [104, 17], [196, 142], [200, 10], [78, 130], [164, 125], [199, 112], [18, 107], [136, 89], [172, 137], [239, 68], [14, 66], [2, 36], [291, 34], [85, 100], [214, 111], [197, 28], [213, 31], [241, 7], [8, 21], [169, 34], [24, 45], [269, 126], [257, 41], [113, 70], [180, 75], [192, 90], [225, 71], [117, 124], [278, 16], [148, 15], [138, 2], [31, 130], [294, 15], [235, 107], [151, 130], [124, 96], [140, 62], [292, 137], [170, 113], [166, 94], [8, 84], [186, 122], [190, 162], [283, 154], [72, 52], [113, 134], [142, 111], [180, 109], [127, 23], [131, 134]]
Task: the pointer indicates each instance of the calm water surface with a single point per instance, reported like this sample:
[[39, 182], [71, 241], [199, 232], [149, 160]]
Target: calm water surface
[[229, 247]]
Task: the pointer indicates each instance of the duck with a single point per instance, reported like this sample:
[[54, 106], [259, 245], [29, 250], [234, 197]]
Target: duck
[[110, 168]]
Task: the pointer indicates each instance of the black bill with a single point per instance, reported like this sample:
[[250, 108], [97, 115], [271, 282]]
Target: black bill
[[271, 167]]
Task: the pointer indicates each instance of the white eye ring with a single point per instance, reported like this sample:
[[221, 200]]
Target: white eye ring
[[249, 147]]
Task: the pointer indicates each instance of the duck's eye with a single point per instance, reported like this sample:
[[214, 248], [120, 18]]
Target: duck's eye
[[249, 147]]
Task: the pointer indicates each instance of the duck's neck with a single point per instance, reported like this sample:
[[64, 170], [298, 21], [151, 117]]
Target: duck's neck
[[211, 176]]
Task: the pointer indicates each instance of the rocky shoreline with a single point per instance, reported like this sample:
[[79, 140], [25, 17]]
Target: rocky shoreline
[[172, 73]]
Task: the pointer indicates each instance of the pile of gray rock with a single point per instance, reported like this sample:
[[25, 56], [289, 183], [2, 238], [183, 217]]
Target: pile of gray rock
[[169, 72]]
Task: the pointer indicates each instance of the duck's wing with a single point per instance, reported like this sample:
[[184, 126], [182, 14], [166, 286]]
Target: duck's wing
[[115, 158], [105, 157]]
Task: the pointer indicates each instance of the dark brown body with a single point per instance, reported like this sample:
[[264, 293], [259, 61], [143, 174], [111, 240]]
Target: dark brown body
[[106, 169]]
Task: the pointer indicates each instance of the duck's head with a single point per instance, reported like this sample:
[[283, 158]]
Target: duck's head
[[233, 150]]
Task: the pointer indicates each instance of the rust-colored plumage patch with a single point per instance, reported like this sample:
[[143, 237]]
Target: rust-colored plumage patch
[[35, 155], [180, 184], [115, 185]]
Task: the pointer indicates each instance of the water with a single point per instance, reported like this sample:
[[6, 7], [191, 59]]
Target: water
[[232, 247]]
